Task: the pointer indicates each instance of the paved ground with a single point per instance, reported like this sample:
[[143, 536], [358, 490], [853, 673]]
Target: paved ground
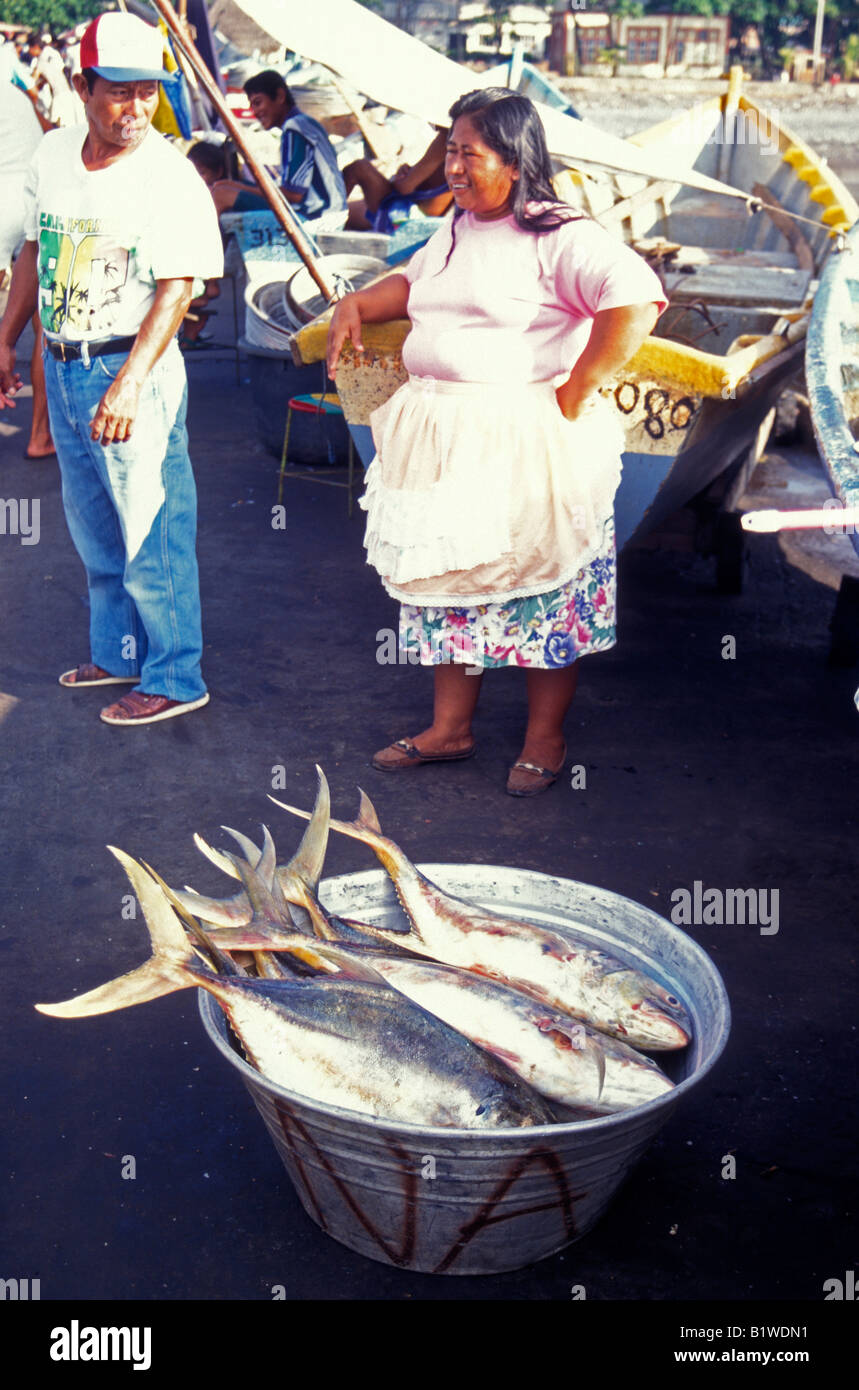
[[737, 773]]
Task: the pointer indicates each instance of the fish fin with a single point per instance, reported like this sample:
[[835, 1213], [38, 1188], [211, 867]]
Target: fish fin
[[371, 937], [205, 945], [327, 956], [246, 845], [267, 863], [215, 856], [600, 1070], [228, 912], [296, 890], [365, 828], [344, 827], [309, 858], [367, 818], [269, 967], [223, 963], [262, 901], [173, 964]]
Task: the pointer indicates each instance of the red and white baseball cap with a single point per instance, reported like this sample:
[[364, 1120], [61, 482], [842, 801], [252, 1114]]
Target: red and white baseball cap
[[122, 48]]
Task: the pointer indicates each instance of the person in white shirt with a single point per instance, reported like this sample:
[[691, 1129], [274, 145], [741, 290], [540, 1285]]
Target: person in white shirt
[[117, 226], [20, 134]]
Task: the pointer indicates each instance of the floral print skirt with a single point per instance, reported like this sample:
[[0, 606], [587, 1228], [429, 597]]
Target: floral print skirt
[[545, 631]]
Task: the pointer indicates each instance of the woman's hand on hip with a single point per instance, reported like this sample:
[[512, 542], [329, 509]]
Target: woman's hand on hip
[[345, 323], [573, 398]]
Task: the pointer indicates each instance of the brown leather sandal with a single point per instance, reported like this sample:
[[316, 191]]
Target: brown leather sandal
[[137, 708], [532, 780], [88, 674], [406, 755]]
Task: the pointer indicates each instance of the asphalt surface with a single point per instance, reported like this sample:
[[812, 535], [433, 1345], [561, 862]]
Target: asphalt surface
[[738, 773]]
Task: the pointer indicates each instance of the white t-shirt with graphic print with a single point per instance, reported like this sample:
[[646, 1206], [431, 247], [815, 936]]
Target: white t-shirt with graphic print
[[106, 236]]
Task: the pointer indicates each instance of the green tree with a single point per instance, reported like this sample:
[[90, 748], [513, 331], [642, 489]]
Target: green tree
[[50, 16], [841, 18]]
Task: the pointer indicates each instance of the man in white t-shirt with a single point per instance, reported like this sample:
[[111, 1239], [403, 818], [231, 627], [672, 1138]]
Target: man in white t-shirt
[[117, 226]]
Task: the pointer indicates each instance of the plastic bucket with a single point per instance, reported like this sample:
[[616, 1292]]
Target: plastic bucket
[[321, 440], [454, 1201]]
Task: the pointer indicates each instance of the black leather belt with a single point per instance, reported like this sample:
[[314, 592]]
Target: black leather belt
[[73, 352]]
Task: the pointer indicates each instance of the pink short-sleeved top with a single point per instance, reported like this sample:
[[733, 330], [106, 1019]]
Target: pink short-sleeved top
[[512, 306]]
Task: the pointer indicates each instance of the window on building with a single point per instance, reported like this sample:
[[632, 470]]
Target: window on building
[[642, 45], [591, 43], [698, 47]]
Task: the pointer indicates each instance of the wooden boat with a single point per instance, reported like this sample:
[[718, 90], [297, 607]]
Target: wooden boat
[[523, 77], [695, 399], [832, 371]]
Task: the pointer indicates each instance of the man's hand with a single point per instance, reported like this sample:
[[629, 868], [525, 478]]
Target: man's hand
[[117, 410], [401, 175], [10, 382], [114, 420]]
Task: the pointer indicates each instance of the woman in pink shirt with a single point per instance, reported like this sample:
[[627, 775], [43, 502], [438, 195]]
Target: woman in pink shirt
[[490, 500]]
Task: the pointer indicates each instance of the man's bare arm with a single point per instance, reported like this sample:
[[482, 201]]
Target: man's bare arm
[[410, 177], [114, 420]]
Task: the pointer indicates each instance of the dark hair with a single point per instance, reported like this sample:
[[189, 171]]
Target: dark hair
[[206, 155], [89, 75], [509, 124], [270, 84]]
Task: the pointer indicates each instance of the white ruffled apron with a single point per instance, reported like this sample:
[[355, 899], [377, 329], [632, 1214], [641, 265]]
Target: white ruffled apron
[[480, 493]]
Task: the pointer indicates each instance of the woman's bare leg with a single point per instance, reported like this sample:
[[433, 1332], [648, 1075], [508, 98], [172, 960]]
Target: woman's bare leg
[[550, 695], [456, 691]]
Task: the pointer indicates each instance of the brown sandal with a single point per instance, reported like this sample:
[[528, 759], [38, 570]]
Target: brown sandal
[[406, 755], [137, 708], [535, 779], [88, 674]]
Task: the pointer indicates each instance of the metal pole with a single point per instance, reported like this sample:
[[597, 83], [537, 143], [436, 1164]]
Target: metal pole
[[818, 36], [276, 201]]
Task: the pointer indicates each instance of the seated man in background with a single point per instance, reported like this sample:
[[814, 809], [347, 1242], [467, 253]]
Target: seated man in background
[[211, 162], [422, 183], [309, 176]]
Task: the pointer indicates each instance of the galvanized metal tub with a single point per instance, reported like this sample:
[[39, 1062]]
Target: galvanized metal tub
[[456, 1201]]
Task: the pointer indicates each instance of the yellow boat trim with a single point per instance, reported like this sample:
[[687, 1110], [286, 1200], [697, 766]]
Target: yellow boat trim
[[707, 373], [704, 373], [836, 218], [381, 339], [655, 133], [823, 193]]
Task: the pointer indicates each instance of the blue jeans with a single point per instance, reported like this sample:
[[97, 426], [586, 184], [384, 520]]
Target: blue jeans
[[132, 512]]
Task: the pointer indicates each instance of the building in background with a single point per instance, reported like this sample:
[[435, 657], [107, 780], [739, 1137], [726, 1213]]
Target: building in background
[[653, 45]]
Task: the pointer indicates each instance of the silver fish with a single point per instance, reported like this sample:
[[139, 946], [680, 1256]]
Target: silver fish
[[566, 973], [564, 1060], [345, 1042]]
